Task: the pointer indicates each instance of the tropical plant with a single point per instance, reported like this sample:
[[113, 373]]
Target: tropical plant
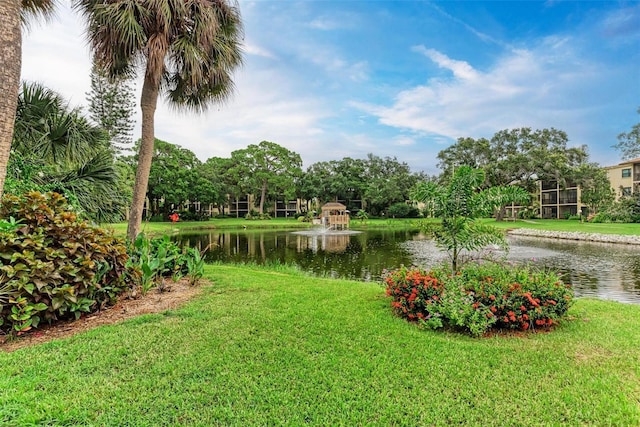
[[459, 205], [54, 266], [13, 14], [55, 148], [159, 259], [189, 48], [362, 215]]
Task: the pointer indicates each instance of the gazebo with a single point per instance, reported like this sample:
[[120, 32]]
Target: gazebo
[[335, 215]]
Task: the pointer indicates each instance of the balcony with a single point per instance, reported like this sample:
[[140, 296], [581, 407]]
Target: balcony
[[568, 200]]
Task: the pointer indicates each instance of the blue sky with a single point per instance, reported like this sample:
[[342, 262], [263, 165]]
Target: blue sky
[[330, 79]]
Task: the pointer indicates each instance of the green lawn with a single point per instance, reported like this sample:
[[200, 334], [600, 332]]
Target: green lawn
[[155, 228], [276, 347], [569, 225]]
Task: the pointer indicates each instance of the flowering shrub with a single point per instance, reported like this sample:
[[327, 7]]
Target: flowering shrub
[[414, 293], [483, 296]]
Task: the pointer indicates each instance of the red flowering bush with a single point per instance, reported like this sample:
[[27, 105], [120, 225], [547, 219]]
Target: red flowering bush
[[414, 292], [518, 297], [480, 297]]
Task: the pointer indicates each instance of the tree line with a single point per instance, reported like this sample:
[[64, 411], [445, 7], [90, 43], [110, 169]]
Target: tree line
[[57, 148]]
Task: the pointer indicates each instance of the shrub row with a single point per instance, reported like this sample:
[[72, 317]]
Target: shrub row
[[479, 298]]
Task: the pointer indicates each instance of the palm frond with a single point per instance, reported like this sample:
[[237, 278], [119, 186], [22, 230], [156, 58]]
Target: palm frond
[[36, 9]]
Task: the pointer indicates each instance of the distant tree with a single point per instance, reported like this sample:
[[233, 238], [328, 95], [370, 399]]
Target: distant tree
[[174, 177], [515, 157], [218, 172], [458, 205], [349, 179], [388, 182], [629, 142], [596, 192], [267, 167], [315, 182], [111, 107]]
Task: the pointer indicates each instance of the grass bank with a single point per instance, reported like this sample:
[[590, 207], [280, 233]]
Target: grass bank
[[160, 228], [569, 225], [275, 347]]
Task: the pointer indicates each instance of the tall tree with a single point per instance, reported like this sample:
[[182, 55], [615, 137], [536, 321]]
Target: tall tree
[[217, 171], [13, 14], [267, 166], [629, 142], [595, 187], [189, 48], [111, 107], [173, 177], [388, 181], [514, 155]]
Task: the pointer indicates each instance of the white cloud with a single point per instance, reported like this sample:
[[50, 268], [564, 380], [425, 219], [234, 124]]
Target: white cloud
[[253, 49], [403, 141], [460, 69], [534, 88]]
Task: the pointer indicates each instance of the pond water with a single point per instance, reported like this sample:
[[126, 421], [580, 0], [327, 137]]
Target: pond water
[[608, 271]]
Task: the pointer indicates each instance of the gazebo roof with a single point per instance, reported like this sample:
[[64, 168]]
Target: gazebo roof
[[333, 206]]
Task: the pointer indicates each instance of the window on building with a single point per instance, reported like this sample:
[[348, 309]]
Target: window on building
[[626, 173], [626, 191]]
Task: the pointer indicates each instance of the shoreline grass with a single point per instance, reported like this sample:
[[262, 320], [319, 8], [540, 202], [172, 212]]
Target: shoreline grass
[[159, 228], [277, 347]]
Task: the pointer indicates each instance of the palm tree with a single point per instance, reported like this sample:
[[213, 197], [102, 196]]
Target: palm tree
[[188, 48], [13, 14], [55, 148]]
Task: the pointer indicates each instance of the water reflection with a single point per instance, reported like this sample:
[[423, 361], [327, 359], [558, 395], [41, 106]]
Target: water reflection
[[595, 269]]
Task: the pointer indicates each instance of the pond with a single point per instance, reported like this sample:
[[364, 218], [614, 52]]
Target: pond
[[607, 271]]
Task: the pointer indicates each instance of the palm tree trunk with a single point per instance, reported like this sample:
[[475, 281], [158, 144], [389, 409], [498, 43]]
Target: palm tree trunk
[[148, 103], [10, 67]]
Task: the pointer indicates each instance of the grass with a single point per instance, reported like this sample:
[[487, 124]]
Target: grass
[[570, 225], [276, 347], [155, 228], [159, 228]]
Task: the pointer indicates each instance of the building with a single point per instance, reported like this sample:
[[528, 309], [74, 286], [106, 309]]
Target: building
[[559, 202], [625, 177]]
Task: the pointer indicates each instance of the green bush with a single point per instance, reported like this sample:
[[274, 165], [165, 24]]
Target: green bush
[[194, 216], [255, 215], [54, 266], [480, 297], [402, 210]]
